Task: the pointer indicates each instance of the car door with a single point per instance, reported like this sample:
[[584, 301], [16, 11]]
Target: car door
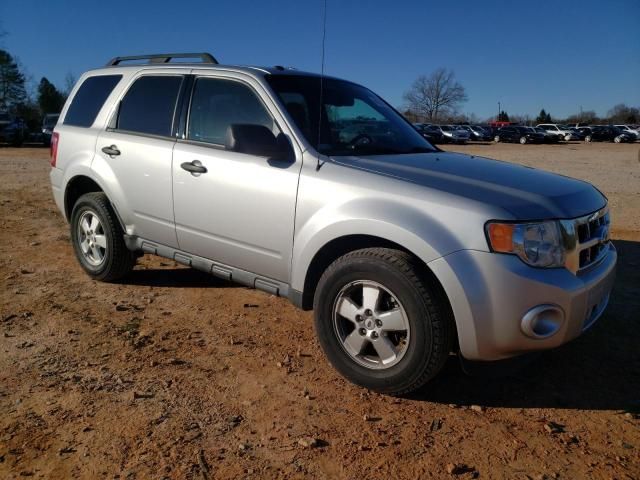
[[241, 211], [135, 152]]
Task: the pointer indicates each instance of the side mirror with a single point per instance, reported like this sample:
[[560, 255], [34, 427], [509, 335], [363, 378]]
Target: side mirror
[[255, 140]]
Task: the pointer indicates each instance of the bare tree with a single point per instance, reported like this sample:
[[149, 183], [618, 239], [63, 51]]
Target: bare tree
[[69, 81], [435, 95]]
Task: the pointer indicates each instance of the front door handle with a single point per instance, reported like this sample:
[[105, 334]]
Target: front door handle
[[111, 150], [194, 167]]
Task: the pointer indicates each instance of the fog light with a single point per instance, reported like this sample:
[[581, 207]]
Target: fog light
[[542, 321]]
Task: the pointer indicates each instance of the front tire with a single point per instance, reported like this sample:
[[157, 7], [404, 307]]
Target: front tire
[[523, 140], [588, 139], [381, 320], [97, 239], [617, 139], [496, 139]]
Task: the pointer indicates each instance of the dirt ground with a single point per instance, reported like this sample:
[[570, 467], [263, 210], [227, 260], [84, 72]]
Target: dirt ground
[[174, 374]]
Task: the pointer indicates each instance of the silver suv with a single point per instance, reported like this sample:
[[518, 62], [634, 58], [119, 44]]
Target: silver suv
[[316, 189]]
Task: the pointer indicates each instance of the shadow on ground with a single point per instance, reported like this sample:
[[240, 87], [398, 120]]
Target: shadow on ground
[[175, 278], [598, 371]]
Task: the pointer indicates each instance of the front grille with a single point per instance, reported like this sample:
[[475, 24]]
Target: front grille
[[591, 234]]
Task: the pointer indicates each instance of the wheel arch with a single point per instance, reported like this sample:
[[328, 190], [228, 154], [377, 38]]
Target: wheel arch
[[80, 185], [340, 246]]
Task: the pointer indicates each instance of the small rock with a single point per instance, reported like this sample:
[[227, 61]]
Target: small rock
[[64, 450], [137, 395], [26, 271], [458, 469], [553, 427], [175, 361], [243, 447], [477, 408], [308, 442], [34, 244], [122, 308]]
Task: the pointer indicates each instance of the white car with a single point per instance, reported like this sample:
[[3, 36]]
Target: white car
[[630, 131], [561, 131]]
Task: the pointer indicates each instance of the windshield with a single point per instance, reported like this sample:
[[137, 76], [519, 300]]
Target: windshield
[[355, 121]]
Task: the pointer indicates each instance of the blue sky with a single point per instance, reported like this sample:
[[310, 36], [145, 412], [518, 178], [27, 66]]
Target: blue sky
[[526, 54]]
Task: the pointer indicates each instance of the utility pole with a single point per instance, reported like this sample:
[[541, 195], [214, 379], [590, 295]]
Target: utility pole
[[499, 110]]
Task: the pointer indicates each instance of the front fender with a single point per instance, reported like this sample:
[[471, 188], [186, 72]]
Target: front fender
[[422, 234]]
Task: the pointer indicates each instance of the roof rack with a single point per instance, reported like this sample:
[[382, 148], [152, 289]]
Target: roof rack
[[163, 58]]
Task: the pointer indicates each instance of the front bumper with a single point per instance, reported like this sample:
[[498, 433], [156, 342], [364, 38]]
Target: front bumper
[[491, 293]]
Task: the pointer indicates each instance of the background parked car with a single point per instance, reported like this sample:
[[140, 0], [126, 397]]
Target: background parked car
[[431, 132], [631, 131], [608, 133], [48, 124], [548, 137], [519, 134], [454, 134], [12, 129], [476, 132], [561, 131]]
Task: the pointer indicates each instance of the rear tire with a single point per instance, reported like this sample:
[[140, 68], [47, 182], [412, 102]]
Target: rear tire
[[366, 344], [496, 139], [588, 139], [523, 140], [617, 140], [97, 239]]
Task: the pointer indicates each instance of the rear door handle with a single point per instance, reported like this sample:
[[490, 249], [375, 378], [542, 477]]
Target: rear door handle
[[112, 150], [194, 167]]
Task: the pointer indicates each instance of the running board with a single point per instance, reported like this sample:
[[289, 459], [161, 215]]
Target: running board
[[216, 269]]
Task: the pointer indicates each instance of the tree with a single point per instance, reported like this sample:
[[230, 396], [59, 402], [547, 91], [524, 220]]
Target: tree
[[12, 82], [543, 117], [622, 113], [50, 99], [503, 116], [435, 95], [69, 82]]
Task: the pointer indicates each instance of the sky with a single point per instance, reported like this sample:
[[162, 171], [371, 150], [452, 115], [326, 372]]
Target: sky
[[560, 56]]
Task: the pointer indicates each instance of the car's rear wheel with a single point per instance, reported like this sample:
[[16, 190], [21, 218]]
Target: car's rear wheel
[[588, 139], [618, 139], [97, 239], [381, 321], [496, 139], [567, 138], [523, 140]]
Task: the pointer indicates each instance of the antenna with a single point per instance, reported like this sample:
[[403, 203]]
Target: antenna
[[324, 36]]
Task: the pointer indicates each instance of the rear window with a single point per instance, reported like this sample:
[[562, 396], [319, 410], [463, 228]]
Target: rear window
[[149, 105], [89, 100]]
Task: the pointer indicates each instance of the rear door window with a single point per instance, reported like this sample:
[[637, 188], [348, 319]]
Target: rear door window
[[149, 105], [89, 100]]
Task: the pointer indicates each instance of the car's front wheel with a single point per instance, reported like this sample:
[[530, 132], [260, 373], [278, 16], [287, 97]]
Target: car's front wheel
[[97, 239], [523, 140], [618, 139], [588, 139], [381, 320], [496, 139]]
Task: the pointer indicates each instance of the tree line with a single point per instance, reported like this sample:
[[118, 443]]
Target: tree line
[[438, 98], [17, 100]]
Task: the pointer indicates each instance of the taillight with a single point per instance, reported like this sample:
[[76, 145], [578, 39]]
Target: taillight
[[55, 137]]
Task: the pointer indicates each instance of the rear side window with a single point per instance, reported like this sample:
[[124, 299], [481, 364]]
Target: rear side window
[[89, 100], [149, 105], [218, 103]]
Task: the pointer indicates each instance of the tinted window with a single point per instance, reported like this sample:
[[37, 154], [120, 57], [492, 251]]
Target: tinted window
[[89, 100], [149, 105], [217, 103]]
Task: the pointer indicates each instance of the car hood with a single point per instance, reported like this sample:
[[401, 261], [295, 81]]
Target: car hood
[[527, 193]]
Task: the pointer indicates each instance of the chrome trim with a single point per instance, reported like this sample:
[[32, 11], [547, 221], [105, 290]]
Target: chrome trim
[[595, 235]]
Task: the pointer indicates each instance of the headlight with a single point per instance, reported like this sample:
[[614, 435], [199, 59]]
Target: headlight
[[537, 244]]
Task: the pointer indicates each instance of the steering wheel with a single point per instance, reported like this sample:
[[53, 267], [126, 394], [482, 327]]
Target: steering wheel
[[360, 140]]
